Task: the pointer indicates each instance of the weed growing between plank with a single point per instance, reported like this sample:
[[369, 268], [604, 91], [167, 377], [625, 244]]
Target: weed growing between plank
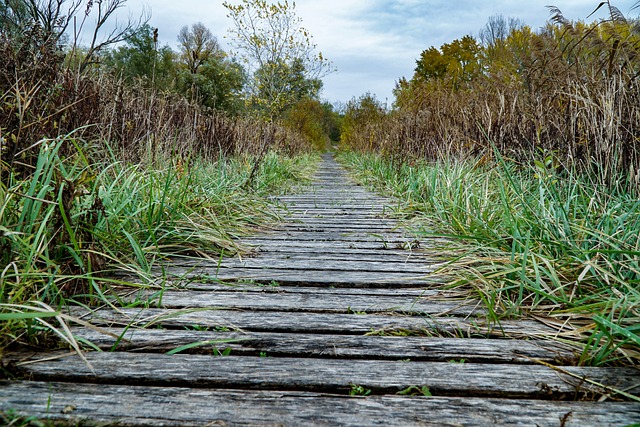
[[75, 219], [536, 242]]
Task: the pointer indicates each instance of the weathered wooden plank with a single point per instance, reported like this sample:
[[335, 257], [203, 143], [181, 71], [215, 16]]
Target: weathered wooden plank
[[274, 242], [190, 407], [340, 223], [333, 346], [333, 375], [279, 288], [335, 193], [333, 222], [317, 290], [313, 302], [345, 188], [330, 193], [339, 247], [331, 200], [335, 203], [268, 262], [368, 207], [390, 239], [344, 215], [365, 255], [336, 278], [345, 227], [323, 323], [336, 234], [351, 213]]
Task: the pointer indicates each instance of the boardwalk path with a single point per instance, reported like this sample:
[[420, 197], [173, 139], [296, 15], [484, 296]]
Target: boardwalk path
[[338, 300]]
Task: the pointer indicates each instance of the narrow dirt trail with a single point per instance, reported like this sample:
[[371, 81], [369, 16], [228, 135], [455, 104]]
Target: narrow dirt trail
[[338, 319]]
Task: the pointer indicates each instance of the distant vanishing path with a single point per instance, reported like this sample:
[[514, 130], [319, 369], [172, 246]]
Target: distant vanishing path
[[337, 300]]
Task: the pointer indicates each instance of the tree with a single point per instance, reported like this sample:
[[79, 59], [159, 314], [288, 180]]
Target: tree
[[278, 54], [207, 76], [456, 62], [141, 59], [359, 113], [197, 46], [217, 84], [462, 55], [307, 117], [431, 65], [332, 121], [103, 10], [292, 84]]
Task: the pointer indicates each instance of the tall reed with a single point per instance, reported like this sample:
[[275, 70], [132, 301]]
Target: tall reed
[[536, 242]]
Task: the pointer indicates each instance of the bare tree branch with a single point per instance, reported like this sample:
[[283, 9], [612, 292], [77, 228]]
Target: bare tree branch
[[105, 10]]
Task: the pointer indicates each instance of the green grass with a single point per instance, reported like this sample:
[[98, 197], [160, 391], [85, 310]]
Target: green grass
[[76, 219], [534, 241]]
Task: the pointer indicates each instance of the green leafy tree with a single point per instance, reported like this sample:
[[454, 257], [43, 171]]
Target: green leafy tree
[[332, 121], [292, 84], [140, 59], [14, 17], [218, 84], [505, 42], [463, 59], [278, 53]]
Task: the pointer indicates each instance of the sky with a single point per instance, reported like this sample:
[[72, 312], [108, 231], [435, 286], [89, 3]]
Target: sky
[[371, 43]]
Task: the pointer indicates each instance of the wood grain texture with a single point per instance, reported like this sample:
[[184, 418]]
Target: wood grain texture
[[267, 243], [333, 375], [231, 286], [315, 303], [332, 345], [318, 290], [324, 323], [308, 277], [268, 262], [186, 407], [311, 247]]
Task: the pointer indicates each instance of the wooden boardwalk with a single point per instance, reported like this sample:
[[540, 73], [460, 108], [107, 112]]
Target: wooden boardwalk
[[338, 320]]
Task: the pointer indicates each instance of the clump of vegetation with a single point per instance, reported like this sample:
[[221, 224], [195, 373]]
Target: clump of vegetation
[[522, 148], [531, 242]]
